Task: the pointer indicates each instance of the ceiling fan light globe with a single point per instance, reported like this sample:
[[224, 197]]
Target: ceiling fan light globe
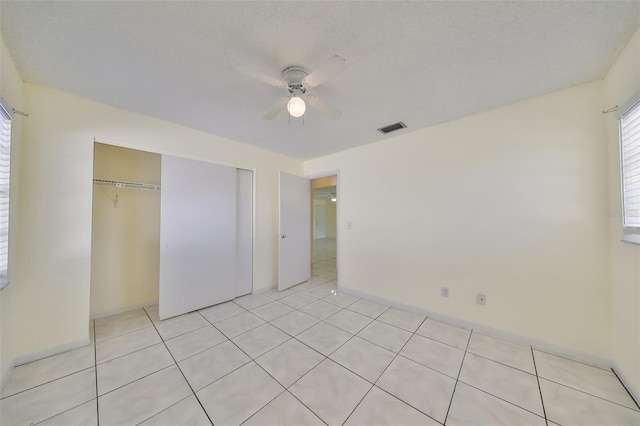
[[296, 106]]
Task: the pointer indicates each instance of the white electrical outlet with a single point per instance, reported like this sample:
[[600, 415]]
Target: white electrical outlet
[[481, 299], [444, 291]]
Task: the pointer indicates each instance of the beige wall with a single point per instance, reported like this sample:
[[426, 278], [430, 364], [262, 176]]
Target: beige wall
[[52, 309], [622, 82], [509, 203], [125, 242], [11, 95]]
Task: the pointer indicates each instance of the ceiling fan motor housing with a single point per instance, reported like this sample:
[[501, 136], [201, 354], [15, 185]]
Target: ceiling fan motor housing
[[293, 76]]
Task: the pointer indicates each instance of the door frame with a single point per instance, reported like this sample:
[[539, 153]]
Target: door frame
[[336, 173]]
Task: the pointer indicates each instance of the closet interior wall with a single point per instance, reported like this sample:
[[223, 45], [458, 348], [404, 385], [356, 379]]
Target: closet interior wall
[[125, 243]]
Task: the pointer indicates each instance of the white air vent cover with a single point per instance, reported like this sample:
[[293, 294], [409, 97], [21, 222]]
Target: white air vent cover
[[392, 127]]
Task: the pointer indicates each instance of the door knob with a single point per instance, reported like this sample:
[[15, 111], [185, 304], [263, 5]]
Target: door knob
[[284, 235]]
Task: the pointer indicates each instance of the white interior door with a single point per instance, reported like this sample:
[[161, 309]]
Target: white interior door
[[197, 235], [244, 232], [294, 261]]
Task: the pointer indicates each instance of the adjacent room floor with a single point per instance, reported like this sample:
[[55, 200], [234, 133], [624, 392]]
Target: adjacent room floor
[[307, 355]]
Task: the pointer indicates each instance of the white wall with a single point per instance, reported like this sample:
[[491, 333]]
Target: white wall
[[509, 203], [12, 97], [623, 81], [125, 242], [52, 308]]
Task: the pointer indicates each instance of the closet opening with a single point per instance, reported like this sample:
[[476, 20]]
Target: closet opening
[[125, 229], [168, 231]]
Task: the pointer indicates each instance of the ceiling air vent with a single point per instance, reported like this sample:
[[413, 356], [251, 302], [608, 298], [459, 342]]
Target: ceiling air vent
[[392, 127]]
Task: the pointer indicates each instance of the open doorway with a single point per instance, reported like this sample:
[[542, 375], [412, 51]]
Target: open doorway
[[324, 227]]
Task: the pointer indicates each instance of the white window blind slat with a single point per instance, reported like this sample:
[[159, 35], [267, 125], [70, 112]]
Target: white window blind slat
[[632, 162], [632, 120], [632, 133], [631, 149], [630, 152], [5, 171]]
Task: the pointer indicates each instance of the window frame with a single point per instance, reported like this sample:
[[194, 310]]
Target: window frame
[[6, 144], [631, 233]]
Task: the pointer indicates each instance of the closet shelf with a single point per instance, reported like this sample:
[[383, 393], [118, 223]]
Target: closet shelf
[[122, 184]]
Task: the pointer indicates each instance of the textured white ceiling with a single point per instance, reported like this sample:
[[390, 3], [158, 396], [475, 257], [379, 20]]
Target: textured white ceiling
[[419, 62]]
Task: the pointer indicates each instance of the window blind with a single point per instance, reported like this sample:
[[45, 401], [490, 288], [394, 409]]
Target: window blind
[[5, 168], [630, 150]]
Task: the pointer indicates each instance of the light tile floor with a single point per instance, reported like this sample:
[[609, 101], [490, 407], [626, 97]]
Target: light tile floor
[[309, 356]]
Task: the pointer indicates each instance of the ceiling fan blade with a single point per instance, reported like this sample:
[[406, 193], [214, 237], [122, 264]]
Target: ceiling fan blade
[[276, 108], [323, 107], [259, 76], [321, 74]]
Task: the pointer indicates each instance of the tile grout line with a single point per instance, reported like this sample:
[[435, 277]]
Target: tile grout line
[[359, 402], [294, 337], [625, 388], [346, 307], [325, 357], [500, 362], [381, 374], [128, 353], [44, 383], [506, 401], [277, 396], [394, 358], [285, 389], [291, 337], [136, 380], [535, 368], [455, 385], [323, 321], [564, 385], [546, 352], [491, 394], [584, 391], [180, 370], [95, 364]]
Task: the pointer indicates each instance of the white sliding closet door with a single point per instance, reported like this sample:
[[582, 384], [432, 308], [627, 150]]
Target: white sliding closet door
[[197, 235]]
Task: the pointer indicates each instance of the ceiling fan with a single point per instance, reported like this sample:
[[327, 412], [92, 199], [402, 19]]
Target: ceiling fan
[[298, 81]]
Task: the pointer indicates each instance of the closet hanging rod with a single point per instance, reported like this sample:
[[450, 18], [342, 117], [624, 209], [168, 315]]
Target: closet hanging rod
[[122, 184]]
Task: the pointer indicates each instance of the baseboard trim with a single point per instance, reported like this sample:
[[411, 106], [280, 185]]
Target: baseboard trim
[[35, 356], [116, 311], [262, 290], [7, 375], [541, 345]]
